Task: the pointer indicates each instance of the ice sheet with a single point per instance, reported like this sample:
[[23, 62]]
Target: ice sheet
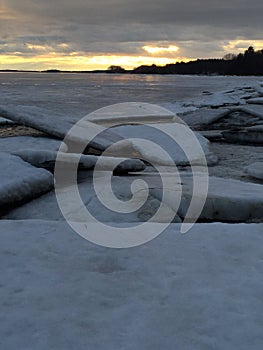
[[189, 291]]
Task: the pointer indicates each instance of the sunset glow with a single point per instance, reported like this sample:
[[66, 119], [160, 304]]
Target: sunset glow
[[156, 49], [78, 61], [236, 46]]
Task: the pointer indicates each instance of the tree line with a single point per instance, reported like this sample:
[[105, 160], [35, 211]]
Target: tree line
[[248, 63]]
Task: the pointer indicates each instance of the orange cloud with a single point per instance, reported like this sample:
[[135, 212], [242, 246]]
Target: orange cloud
[[159, 49]]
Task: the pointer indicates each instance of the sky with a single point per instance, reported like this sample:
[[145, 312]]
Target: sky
[[94, 34]]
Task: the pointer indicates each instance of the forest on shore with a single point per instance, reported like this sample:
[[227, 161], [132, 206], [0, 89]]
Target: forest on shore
[[248, 63]]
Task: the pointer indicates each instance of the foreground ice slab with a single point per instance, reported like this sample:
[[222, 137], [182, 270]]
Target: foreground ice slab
[[20, 181], [47, 159], [178, 291]]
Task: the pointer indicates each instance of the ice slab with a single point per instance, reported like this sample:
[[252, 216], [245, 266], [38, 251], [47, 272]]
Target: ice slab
[[131, 113], [204, 116], [202, 288], [258, 100], [160, 140], [59, 128], [20, 182], [252, 109], [227, 200], [255, 170], [47, 159], [224, 98]]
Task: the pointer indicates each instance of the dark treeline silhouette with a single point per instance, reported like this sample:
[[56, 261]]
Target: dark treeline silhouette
[[248, 63]]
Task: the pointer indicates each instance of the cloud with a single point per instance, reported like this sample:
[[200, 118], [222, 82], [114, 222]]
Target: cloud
[[201, 29]]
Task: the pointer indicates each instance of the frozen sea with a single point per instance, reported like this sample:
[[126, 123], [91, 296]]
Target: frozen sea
[[197, 291], [74, 95]]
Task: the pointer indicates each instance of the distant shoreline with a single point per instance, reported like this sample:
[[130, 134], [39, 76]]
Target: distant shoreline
[[126, 72]]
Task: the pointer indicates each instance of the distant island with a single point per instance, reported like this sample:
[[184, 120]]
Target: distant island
[[248, 63]]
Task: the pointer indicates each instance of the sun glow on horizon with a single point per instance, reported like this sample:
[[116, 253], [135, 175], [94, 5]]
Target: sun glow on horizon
[[61, 56], [78, 61]]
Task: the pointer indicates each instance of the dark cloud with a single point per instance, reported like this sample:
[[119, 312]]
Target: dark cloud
[[235, 12], [199, 28]]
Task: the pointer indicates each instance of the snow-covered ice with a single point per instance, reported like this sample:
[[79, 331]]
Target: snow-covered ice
[[202, 290], [59, 128], [225, 98], [20, 181], [46, 206], [168, 137], [227, 200], [129, 113]]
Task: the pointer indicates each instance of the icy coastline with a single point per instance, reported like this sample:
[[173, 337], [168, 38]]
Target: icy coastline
[[194, 290]]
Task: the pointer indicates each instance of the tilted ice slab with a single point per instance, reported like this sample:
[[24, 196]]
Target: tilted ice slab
[[224, 98], [202, 288], [255, 110], [47, 159], [20, 181], [255, 170], [165, 147], [18, 143], [204, 116], [83, 134], [129, 113]]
